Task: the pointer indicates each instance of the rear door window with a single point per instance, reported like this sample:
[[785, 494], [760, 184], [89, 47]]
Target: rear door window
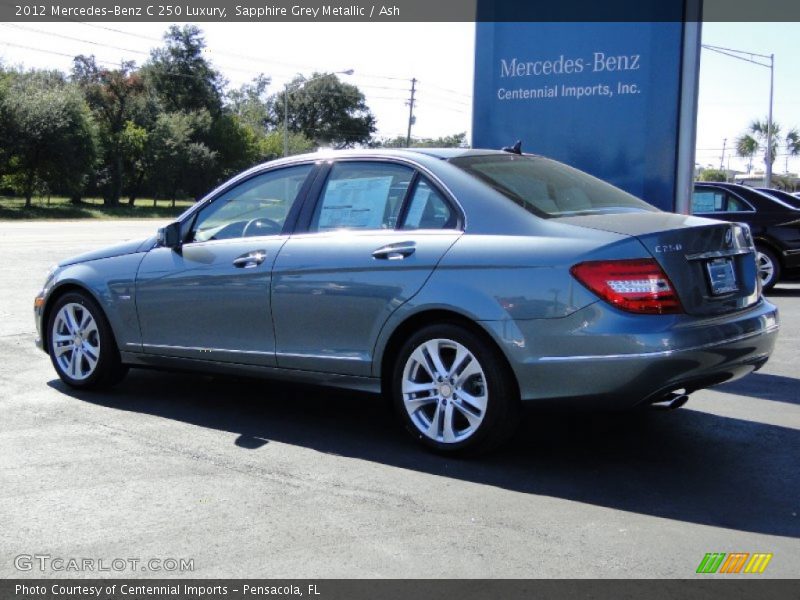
[[707, 201], [362, 195]]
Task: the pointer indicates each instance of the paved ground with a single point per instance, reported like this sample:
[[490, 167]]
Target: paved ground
[[259, 479]]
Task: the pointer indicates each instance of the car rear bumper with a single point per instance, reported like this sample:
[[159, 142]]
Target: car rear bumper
[[586, 358]]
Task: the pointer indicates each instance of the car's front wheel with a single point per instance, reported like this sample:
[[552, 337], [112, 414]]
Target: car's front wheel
[[81, 344], [769, 269], [454, 392]]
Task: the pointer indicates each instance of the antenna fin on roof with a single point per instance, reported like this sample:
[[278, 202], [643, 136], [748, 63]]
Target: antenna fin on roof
[[515, 149]]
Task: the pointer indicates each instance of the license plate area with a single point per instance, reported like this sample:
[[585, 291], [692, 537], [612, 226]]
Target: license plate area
[[721, 276]]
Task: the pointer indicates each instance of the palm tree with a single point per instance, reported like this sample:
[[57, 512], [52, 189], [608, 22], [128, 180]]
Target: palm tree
[[792, 145], [758, 131], [746, 147]]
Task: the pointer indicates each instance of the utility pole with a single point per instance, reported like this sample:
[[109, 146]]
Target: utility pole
[[768, 173], [722, 158], [411, 111]]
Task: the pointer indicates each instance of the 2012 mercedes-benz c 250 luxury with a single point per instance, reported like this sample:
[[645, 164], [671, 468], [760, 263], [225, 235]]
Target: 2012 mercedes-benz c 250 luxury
[[460, 283]]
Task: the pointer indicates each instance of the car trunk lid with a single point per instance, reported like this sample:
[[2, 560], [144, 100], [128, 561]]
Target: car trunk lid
[[710, 263]]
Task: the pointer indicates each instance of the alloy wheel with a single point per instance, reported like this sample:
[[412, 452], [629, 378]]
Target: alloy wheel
[[444, 391], [766, 268], [75, 341]]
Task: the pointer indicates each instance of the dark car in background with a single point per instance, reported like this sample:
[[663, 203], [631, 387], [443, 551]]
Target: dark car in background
[[774, 224], [790, 199]]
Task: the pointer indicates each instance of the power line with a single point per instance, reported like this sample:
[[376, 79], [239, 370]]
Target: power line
[[236, 55], [102, 45], [449, 90], [67, 37], [443, 98], [458, 107], [425, 103], [53, 52]]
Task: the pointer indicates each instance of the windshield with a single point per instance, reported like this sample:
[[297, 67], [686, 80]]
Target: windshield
[[784, 197], [548, 188]]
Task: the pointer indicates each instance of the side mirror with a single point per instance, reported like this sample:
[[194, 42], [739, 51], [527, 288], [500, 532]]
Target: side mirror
[[169, 236]]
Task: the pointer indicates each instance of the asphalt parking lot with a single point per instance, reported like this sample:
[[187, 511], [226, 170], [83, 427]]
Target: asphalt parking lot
[[257, 479]]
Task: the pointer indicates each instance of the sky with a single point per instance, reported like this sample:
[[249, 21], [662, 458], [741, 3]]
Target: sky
[[386, 56]]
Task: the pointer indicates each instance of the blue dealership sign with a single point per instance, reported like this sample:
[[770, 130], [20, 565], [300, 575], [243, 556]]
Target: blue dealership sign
[[617, 100]]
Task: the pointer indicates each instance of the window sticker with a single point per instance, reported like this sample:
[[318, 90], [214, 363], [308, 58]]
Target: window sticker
[[355, 203]]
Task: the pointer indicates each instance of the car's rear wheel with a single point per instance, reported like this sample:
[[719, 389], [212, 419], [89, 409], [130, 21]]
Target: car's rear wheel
[[454, 392], [81, 344], [769, 269]]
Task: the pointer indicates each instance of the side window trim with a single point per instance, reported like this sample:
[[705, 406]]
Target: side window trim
[[406, 204], [291, 217], [314, 195], [305, 194]]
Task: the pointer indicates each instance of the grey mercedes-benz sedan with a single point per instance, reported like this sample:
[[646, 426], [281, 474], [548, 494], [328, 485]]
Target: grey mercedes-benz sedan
[[460, 283]]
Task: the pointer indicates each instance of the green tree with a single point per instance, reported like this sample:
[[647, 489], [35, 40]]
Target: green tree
[[747, 147], [137, 158], [713, 175], [251, 104], [456, 140], [757, 131], [326, 110], [117, 97], [237, 144], [183, 79], [792, 144], [5, 123], [182, 164], [271, 145], [50, 136]]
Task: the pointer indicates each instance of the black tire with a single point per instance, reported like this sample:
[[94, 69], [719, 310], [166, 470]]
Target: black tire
[[768, 255], [109, 369], [502, 410]]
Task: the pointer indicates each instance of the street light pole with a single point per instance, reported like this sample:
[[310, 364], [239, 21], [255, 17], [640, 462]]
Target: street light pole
[[768, 171], [751, 58], [286, 121], [286, 88]]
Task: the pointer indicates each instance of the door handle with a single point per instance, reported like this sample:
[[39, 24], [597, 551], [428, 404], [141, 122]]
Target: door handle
[[250, 260], [397, 251]]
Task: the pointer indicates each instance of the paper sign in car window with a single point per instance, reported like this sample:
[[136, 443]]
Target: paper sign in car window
[[417, 207], [703, 202], [355, 203]]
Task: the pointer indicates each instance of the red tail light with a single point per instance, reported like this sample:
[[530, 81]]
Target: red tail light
[[638, 286]]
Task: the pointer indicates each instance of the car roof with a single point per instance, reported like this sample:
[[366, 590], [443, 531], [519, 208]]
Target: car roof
[[751, 194], [417, 155], [725, 184], [443, 153]]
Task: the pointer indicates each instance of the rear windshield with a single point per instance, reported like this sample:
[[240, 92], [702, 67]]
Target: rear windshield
[[786, 198], [548, 188]]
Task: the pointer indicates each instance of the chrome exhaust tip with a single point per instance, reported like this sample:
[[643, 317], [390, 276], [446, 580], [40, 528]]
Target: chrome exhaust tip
[[672, 400]]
